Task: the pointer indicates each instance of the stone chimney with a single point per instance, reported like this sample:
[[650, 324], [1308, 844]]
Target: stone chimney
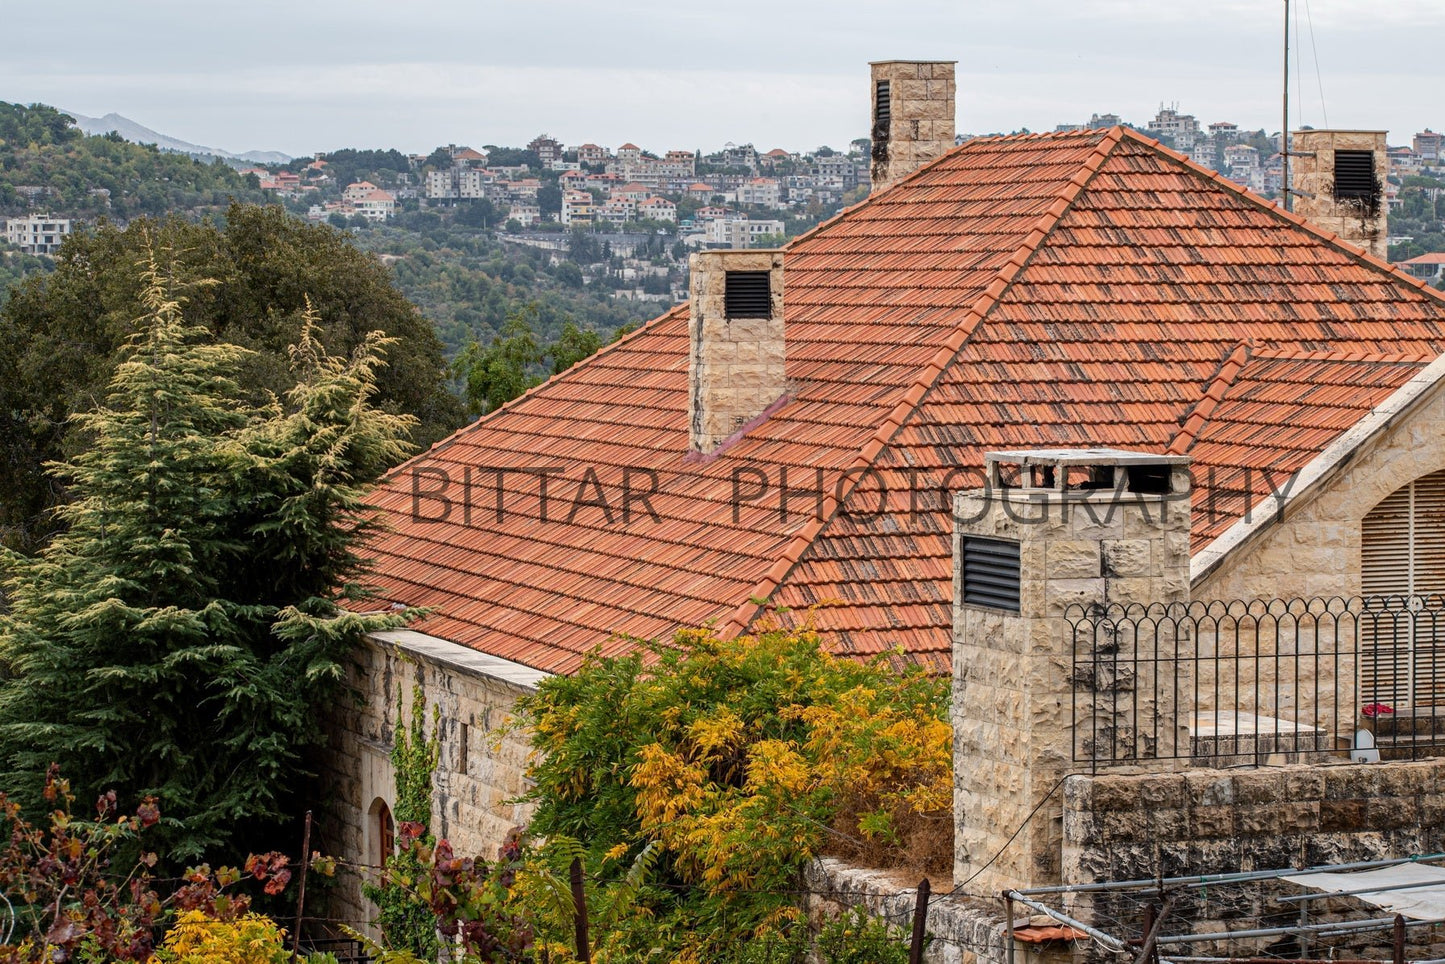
[[1339, 183], [735, 369], [912, 116], [1054, 529]]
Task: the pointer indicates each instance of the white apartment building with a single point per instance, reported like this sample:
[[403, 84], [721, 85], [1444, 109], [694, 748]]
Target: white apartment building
[[760, 190], [657, 209], [740, 232], [37, 234], [474, 184], [592, 154], [441, 185], [1182, 130], [525, 213], [576, 208], [373, 204]]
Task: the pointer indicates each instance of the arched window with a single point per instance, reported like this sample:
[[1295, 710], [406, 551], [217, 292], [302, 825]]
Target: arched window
[[383, 829], [1402, 557]]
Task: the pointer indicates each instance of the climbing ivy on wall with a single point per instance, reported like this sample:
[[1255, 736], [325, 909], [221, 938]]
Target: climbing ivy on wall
[[406, 921]]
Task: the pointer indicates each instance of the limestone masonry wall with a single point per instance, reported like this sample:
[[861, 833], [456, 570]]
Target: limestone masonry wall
[[482, 765], [1139, 826], [921, 126], [1013, 699]]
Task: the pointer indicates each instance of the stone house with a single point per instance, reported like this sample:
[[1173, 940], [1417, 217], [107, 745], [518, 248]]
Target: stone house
[[790, 442]]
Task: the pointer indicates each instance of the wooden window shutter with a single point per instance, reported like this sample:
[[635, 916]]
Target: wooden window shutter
[[1402, 556]]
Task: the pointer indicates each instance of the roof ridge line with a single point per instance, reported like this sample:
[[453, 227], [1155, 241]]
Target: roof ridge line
[[445, 443], [1199, 416], [1329, 237], [928, 377]]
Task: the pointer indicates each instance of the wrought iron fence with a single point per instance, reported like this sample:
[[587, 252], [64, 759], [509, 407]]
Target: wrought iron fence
[[1265, 680]]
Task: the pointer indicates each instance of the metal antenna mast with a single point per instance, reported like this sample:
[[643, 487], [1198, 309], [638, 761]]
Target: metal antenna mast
[[1284, 124]]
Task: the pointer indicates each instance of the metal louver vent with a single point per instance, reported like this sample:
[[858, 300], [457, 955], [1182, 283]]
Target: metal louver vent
[[748, 294], [883, 105], [1355, 174], [991, 573]]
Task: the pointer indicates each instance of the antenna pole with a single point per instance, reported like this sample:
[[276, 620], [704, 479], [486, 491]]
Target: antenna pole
[[1284, 124]]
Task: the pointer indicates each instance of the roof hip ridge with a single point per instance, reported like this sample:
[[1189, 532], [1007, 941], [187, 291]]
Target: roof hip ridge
[[927, 377], [1214, 393]]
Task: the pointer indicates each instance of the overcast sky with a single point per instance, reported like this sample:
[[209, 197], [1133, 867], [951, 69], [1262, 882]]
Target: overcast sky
[[307, 75]]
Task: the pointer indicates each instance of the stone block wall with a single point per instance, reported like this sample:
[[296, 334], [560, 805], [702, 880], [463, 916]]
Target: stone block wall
[[1313, 173], [482, 766], [736, 366], [1141, 826], [962, 930], [921, 125]]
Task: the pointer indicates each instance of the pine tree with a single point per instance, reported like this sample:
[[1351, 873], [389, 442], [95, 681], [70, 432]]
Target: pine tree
[[178, 637]]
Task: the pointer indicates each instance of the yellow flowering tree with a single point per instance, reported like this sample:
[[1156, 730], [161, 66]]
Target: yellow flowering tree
[[742, 759]]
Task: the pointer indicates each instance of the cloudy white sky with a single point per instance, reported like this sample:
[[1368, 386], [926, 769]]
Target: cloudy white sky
[[308, 75]]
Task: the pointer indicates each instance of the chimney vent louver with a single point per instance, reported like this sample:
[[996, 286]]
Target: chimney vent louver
[[748, 294]]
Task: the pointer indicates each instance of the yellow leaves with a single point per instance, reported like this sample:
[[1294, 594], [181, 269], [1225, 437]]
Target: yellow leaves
[[667, 786], [711, 735], [198, 939], [777, 766], [740, 755]]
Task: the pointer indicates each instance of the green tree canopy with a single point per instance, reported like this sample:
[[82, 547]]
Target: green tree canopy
[[62, 334], [178, 638]]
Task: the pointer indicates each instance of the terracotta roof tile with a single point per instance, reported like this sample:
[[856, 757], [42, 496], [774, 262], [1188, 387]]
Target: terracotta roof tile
[[1084, 288]]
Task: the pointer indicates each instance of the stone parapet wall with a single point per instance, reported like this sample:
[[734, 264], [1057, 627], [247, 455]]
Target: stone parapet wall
[[962, 930], [1142, 826], [472, 804]]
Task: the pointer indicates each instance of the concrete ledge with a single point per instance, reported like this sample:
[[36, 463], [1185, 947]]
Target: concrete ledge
[[457, 657]]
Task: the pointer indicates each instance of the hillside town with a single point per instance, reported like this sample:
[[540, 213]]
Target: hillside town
[[734, 197]]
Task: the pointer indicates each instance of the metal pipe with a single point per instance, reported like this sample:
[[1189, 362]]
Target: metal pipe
[[1108, 940], [1337, 927], [1346, 929], [1207, 880]]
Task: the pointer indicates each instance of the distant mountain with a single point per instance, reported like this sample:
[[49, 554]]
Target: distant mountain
[[140, 134]]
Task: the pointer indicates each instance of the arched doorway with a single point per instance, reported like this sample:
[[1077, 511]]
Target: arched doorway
[[1402, 577]]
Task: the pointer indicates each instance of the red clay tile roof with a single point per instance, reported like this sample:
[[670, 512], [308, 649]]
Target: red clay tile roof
[[1070, 289]]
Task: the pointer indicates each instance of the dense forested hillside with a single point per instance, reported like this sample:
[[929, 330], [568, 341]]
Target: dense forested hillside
[[47, 164], [469, 283]]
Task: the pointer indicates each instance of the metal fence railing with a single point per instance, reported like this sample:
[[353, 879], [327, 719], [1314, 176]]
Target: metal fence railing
[[1258, 680]]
